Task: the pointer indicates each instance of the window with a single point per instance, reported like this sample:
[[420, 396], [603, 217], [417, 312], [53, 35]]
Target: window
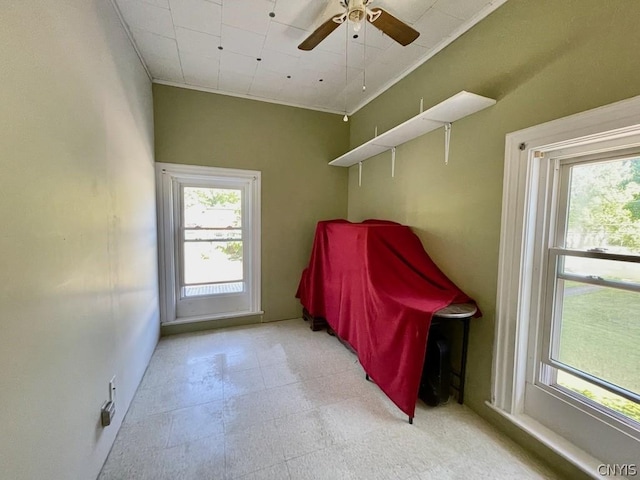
[[568, 309], [591, 322], [209, 220]]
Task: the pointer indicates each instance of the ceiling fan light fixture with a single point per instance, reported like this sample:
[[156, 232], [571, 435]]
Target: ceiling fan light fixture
[[356, 13]]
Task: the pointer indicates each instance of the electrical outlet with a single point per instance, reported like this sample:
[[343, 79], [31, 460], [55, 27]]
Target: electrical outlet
[[112, 389], [108, 410]]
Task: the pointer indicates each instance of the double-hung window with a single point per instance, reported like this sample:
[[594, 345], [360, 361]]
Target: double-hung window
[[567, 348], [591, 316]]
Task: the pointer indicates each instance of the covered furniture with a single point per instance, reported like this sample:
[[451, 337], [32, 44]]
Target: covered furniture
[[378, 289]]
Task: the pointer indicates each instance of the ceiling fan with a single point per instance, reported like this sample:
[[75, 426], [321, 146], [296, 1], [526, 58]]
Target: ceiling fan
[[356, 11]]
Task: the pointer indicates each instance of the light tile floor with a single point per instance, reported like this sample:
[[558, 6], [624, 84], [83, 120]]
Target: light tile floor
[[278, 401]]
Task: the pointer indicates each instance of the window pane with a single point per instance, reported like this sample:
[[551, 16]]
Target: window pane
[[213, 289], [212, 207], [600, 333], [599, 395], [604, 206], [612, 270], [211, 262], [220, 234]]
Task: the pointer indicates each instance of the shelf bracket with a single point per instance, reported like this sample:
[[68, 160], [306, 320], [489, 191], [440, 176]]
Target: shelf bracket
[[359, 174], [422, 105], [447, 142], [393, 162], [375, 132]]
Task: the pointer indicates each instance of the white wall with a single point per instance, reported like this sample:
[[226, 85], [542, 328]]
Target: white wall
[[78, 274]]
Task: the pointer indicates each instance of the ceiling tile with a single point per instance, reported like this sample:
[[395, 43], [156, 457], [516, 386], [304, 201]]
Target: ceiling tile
[[358, 54], [335, 41], [407, 11], [252, 15], [162, 68], [199, 15], [337, 76], [278, 62], [262, 75], [234, 82], [462, 9], [321, 60], [284, 39], [198, 43], [158, 3], [398, 55], [305, 77], [374, 37], [267, 84], [234, 62], [145, 16], [300, 95], [152, 44], [307, 15], [355, 95], [200, 71], [435, 27], [242, 41]]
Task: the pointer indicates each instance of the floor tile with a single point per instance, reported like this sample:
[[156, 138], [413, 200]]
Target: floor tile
[[151, 432], [303, 433], [171, 396], [275, 472], [193, 423], [329, 463], [241, 411], [278, 401], [252, 449], [202, 459], [243, 382]]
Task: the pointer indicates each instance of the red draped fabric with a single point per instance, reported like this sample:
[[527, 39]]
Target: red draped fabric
[[378, 289]]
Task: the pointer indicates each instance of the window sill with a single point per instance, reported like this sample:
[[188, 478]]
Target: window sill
[[208, 322], [555, 442]]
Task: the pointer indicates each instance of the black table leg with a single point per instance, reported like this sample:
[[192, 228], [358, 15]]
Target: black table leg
[[463, 366]]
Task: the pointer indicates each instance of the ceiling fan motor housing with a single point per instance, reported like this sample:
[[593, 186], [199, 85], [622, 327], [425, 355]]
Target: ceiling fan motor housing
[[357, 10]]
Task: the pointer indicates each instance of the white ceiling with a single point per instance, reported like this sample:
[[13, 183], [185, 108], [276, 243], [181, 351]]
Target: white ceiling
[[179, 39]]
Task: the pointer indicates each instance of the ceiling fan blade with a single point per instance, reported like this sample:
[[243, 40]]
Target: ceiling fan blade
[[396, 29], [322, 32]]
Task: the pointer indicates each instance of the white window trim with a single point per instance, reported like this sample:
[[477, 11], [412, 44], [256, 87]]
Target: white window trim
[[514, 304], [166, 243]]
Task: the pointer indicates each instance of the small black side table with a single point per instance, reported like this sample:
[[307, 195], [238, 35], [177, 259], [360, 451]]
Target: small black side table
[[462, 312]]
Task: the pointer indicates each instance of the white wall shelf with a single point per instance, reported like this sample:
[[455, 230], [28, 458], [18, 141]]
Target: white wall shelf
[[454, 108]]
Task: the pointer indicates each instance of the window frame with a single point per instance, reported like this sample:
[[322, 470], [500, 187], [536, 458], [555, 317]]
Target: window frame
[[523, 264], [169, 177]]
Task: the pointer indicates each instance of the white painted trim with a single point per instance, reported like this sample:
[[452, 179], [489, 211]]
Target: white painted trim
[[555, 442], [622, 117], [168, 300], [131, 40], [517, 294], [208, 318]]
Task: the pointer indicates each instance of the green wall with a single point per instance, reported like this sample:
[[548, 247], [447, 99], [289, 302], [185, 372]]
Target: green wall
[[542, 60], [290, 146]]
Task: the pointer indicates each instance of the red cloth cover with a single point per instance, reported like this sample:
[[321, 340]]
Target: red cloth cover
[[378, 289]]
